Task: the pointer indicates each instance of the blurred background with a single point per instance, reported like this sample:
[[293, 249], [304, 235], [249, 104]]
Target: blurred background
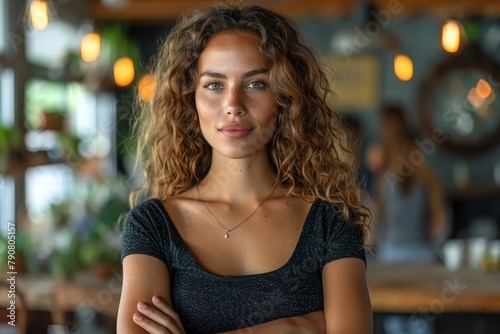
[[71, 69]]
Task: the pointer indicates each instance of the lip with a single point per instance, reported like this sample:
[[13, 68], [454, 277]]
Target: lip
[[236, 130]]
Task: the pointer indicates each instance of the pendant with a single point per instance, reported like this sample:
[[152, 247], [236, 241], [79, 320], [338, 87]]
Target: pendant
[[227, 234]]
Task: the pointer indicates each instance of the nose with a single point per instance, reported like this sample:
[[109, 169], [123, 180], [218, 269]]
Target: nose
[[235, 105]]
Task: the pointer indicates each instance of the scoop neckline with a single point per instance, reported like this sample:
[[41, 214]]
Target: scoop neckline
[[182, 244]]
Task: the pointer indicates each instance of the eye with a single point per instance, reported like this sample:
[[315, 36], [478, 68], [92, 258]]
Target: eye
[[213, 86], [257, 84]]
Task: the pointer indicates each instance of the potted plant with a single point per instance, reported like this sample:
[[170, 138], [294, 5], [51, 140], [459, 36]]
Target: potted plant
[[11, 141], [100, 250], [25, 260]]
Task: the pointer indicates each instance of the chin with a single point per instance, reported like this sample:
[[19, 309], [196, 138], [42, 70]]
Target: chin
[[242, 153]]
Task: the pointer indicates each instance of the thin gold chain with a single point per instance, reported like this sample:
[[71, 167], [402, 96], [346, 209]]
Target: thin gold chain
[[244, 220]]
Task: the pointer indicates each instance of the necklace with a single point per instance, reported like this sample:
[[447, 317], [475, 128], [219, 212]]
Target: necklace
[[226, 235]]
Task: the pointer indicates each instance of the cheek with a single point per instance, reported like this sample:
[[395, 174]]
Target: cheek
[[269, 129], [205, 106], [206, 120]]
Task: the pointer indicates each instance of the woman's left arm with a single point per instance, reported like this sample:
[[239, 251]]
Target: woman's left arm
[[311, 323], [347, 302]]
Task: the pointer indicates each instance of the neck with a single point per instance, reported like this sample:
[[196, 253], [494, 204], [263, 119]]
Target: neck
[[238, 181]]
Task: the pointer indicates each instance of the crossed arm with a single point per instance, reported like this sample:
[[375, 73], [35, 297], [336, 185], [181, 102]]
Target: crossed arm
[[347, 304]]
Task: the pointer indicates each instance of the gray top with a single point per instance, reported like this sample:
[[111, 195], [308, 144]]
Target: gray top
[[209, 303], [404, 236]]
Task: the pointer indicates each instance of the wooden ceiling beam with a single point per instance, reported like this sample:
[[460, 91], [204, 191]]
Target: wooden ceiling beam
[[161, 10], [444, 7], [170, 10], [143, 10], [308, 8]]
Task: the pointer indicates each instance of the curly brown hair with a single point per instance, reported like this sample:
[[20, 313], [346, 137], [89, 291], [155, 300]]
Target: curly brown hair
[[307, 152]]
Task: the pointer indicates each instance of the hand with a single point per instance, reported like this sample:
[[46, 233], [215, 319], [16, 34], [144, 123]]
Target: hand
[[158, 318]]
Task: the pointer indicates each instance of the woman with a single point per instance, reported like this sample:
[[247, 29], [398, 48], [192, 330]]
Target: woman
[[250, 218], [411, 206], [409, 195]]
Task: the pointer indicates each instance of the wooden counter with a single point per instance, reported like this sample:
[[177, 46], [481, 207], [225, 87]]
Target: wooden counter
[[432, 289], [45, 293]]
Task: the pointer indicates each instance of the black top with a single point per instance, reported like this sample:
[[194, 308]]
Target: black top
[[208, 303]]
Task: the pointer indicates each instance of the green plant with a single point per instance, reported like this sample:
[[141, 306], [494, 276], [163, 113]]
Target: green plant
[[65, 262], [25, 258], [11, 139], [69, 143], [97, 253], [101, 246]]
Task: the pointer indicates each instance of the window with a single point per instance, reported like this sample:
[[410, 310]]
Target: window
[[7, 202], [46, 96], [49, 47], [45, 186], [7, 193], [6, 96], [88, 118]]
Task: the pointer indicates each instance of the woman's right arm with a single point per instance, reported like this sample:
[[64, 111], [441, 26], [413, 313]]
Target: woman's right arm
[[143, 277]]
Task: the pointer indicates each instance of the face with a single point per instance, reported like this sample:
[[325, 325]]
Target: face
[[236, 108]]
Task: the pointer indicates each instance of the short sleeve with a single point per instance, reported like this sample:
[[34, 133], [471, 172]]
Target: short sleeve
[[144, 232], [344, 240]]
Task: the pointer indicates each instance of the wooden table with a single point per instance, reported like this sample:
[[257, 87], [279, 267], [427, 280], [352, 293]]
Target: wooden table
[[432, 289], [57, 296]]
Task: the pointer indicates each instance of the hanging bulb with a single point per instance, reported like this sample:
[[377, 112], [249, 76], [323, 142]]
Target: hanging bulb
[[146, 87], [39, 14], [450, 38], [90, 47], [403, 67], [123, 71], [483, 89]]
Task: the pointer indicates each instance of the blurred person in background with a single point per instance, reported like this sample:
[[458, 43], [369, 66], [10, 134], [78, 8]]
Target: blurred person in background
[[411, 213]]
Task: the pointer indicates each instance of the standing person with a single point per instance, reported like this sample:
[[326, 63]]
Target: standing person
[[409, 195], [249, 218], [411, 207]]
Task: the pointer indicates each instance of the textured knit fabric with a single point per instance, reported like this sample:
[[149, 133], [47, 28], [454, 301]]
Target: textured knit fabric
[[209, 303]]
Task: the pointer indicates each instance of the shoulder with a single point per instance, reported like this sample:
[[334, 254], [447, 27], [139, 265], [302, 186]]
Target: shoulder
[[148, 214], [146, 230], [146, 209], [328, 218], [326, 212], [342, 239]]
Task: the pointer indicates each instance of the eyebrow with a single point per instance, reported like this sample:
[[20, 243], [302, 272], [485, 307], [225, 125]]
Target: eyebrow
[[223, 76]]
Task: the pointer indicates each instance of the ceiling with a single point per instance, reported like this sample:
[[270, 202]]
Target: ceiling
[[169, 10]]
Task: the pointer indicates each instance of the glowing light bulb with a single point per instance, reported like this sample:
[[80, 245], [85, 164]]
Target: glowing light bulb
[[90, 47], [146, 87], [403, 67], [123, 71], [39, 14], [483, 89], [450, 38]]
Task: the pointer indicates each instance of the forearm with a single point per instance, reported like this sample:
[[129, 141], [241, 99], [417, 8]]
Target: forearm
[[311, 323]]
